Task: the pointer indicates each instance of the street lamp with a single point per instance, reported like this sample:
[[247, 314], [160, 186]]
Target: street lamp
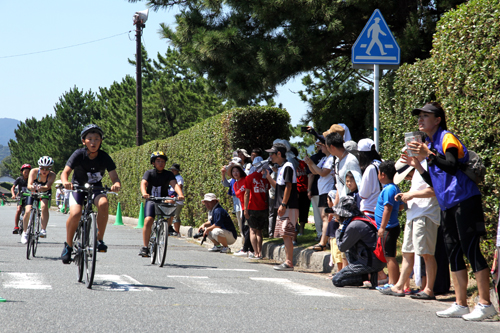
[[139, 19]]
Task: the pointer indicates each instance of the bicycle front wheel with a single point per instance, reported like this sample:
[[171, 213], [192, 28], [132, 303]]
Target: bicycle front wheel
[[162, 242], [36, 233], [29, 232], [77, 244], [153, 242], [90, 250]]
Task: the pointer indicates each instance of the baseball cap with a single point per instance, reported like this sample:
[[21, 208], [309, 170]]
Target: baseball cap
[[209, 197], [365, 144]]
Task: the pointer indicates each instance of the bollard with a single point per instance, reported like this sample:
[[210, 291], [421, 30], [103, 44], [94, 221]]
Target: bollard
[[140, 223], [118, 220]]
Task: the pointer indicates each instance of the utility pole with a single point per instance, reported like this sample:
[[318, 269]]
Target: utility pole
[[139, 19]]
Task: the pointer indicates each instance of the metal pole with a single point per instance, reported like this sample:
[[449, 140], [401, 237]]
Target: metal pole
[[138, 84], [376, 79]]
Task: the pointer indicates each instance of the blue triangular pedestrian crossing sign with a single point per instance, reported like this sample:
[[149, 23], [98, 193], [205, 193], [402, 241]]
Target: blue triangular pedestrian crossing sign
[[376, 45]]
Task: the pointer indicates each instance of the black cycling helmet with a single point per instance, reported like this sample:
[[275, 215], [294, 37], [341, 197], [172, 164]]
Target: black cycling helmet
[[157, 154], [91, 128]]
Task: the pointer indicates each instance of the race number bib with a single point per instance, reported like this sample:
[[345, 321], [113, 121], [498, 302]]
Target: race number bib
[[94, 177], [156, 191]]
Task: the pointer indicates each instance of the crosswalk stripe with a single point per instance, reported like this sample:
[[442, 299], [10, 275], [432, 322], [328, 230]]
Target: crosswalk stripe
[[24, 281], [297, 288], [204, 284], [118, 283]]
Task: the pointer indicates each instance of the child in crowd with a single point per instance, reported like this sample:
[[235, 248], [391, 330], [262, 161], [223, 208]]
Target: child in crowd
[[386, 217], [337, 258], [352, 179]]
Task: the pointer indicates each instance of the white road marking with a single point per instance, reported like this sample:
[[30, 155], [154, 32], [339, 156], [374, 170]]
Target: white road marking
[[25, 281], [119, 283], [204, 284], [232, 270], [297, 288]]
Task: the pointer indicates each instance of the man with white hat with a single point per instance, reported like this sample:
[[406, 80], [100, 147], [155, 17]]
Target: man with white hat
[[219, 228], [422, 221]]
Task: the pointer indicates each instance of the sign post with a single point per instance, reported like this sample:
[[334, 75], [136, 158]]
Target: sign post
[[377, 49]]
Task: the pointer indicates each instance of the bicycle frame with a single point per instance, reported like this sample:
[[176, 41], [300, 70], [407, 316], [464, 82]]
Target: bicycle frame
[[33, 228], [159, 230]]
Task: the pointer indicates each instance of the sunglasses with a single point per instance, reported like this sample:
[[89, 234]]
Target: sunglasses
[[45, 169]]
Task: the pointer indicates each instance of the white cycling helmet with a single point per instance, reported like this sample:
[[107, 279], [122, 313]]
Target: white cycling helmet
[[45, 161]]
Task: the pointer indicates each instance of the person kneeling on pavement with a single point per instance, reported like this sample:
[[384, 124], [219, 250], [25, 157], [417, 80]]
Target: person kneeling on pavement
[[357, 237], [219, 228]]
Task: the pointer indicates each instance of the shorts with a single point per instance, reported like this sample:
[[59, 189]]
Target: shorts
[[390, 241], [76, 198], [258, 219], [420, 236], [304, 205], [216, 233], [337, 256], [29, 201], [285, 225], [323, 202], [462, 226], [177, 215]]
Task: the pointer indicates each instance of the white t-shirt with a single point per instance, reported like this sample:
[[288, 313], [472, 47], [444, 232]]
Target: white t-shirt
[[349, 162], [419, 207], [326, 184], [369, 189], [180, 181]]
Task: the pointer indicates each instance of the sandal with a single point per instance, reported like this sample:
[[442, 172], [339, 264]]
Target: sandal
[[318, 247]]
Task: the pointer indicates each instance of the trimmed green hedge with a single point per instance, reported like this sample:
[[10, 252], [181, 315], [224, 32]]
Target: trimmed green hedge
[[463, 74], [201, 151]]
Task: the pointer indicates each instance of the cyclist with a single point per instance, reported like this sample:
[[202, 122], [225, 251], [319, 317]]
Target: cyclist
[[155, 183], [39, 180], [20, 185], [89, 165]]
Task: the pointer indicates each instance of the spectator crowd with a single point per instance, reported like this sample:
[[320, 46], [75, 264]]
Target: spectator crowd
[[356, 202]]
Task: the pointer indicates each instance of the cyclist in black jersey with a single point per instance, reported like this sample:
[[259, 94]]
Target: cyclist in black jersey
[[88, 165], [20, 185], [40, 180]]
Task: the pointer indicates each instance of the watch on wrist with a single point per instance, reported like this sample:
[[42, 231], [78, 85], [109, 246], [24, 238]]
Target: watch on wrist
[[284, 205]]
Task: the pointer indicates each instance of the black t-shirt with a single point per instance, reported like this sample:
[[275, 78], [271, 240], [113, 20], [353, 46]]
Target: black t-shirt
[[286, 174], [316, 158], [158, 182], [87, 170], [20, 184]]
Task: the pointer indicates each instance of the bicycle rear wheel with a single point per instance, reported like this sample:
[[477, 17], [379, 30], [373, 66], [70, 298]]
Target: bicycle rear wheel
[[162, 242], [36, 233], [77, 244], [153, 248], [29, 231], [90, 250]]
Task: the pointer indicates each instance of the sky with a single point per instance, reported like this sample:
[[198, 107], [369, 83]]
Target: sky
[[32, 81]]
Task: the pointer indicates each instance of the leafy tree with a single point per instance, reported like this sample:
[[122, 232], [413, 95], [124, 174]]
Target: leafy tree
[[247, 48], [3, 169]]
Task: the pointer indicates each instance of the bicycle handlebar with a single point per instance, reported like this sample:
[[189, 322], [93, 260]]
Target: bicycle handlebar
[[37, 195]]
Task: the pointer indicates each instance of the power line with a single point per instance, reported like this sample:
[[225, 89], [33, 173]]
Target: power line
[[64, 47]]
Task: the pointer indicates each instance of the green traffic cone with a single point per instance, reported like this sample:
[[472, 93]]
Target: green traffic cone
[[3, 204], [63, 208], [118, 220], [3, 299], [140, 223]]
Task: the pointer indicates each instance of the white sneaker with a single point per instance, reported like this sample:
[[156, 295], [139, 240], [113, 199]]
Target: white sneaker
[[454, 311], [240, 253], [24, 238], [215, 249], [481, 312], [43, 233], [225, 250]]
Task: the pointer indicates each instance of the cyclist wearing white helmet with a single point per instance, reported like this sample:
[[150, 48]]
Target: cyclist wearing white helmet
[[89, 165], [40, 180]]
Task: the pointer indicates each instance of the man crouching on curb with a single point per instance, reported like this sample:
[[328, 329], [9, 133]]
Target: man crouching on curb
[[219, 228], [286, 202]]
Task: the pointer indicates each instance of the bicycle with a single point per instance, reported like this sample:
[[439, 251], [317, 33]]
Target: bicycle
[[33, 228], [22, 202], [85, 240], [158, 241]]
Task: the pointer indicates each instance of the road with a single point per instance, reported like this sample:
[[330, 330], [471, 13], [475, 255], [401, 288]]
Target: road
[[197, 291]]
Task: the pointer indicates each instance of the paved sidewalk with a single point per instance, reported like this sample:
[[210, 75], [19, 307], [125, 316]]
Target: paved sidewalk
[[302, 257]]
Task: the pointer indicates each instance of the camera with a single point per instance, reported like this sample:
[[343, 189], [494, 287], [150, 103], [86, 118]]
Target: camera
[[265, 164], [199, 234], [304, 129], [328, 210]]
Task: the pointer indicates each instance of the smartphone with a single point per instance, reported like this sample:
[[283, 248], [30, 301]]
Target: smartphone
[[304, 129]]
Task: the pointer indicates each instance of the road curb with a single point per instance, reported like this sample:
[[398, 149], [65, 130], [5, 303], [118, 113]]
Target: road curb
[[302, 257]]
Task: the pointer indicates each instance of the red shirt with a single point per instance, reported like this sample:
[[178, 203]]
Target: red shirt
[[239, 191], [258, 186], [302, 180]]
